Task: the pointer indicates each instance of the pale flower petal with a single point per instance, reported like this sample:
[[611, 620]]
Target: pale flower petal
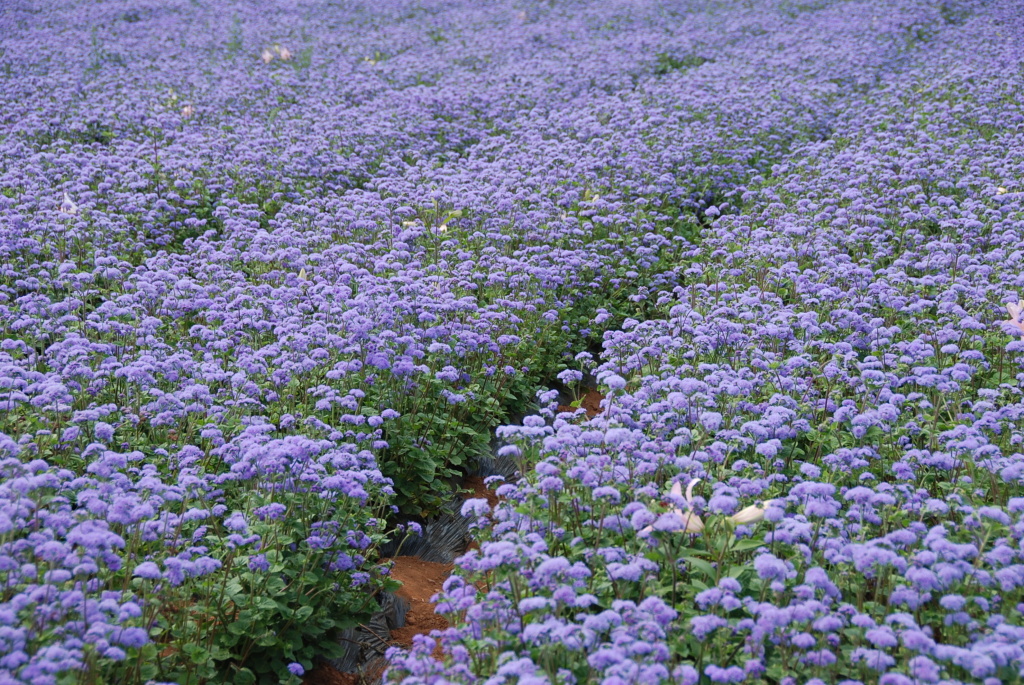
[[753, 513], [693, 523], [67, 206], [689, 489], [1015, 308]]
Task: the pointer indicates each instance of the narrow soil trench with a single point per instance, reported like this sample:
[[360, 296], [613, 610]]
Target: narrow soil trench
[[325, 674], [421, 580], [591, 402]]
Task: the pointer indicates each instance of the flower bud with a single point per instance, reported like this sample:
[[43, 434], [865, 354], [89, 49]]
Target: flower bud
[[751, 514], [67, 206], [693, 523]]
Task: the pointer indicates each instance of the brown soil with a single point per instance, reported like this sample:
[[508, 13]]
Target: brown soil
[[420, 581], [325, 674], [479, 490], [591, 402]]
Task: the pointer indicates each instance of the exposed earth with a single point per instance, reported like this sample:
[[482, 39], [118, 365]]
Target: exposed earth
[[421, 580]]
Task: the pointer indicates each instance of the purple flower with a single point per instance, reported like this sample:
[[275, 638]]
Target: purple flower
[[148, 570], [104, 431], [731, 674]]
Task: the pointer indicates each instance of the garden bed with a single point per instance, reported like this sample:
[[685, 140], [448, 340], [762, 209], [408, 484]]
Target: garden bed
[[728, 295]]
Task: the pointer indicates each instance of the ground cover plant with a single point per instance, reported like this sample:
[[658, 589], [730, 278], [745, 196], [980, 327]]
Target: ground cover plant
[[271, 276]]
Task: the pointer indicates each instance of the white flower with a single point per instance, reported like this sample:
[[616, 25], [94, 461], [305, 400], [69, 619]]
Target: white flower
[[267, 56], [283, 53], [691, 522], [1015, 310], [753, 513], [67, 206], [187, 111]]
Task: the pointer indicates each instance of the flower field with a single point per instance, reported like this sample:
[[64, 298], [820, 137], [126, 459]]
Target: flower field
[[274, 278]]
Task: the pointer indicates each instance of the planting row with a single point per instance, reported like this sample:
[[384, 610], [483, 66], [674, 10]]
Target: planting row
[[809, 467]]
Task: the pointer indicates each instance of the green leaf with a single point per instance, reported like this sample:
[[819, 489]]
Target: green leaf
[[267, 639], [219, 653], [275, 586], [737, 571], [244, 676], [196, 653], [748, 544], [701, 565], [265, 603], [233, 589], [242, 624]]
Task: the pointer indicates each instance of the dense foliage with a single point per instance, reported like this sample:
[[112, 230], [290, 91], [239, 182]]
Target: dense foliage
[[271, 274]]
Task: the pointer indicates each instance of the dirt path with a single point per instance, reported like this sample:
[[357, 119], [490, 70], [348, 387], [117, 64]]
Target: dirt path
[[591, 402], [325, 674], [479, 490], [421, 580]]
